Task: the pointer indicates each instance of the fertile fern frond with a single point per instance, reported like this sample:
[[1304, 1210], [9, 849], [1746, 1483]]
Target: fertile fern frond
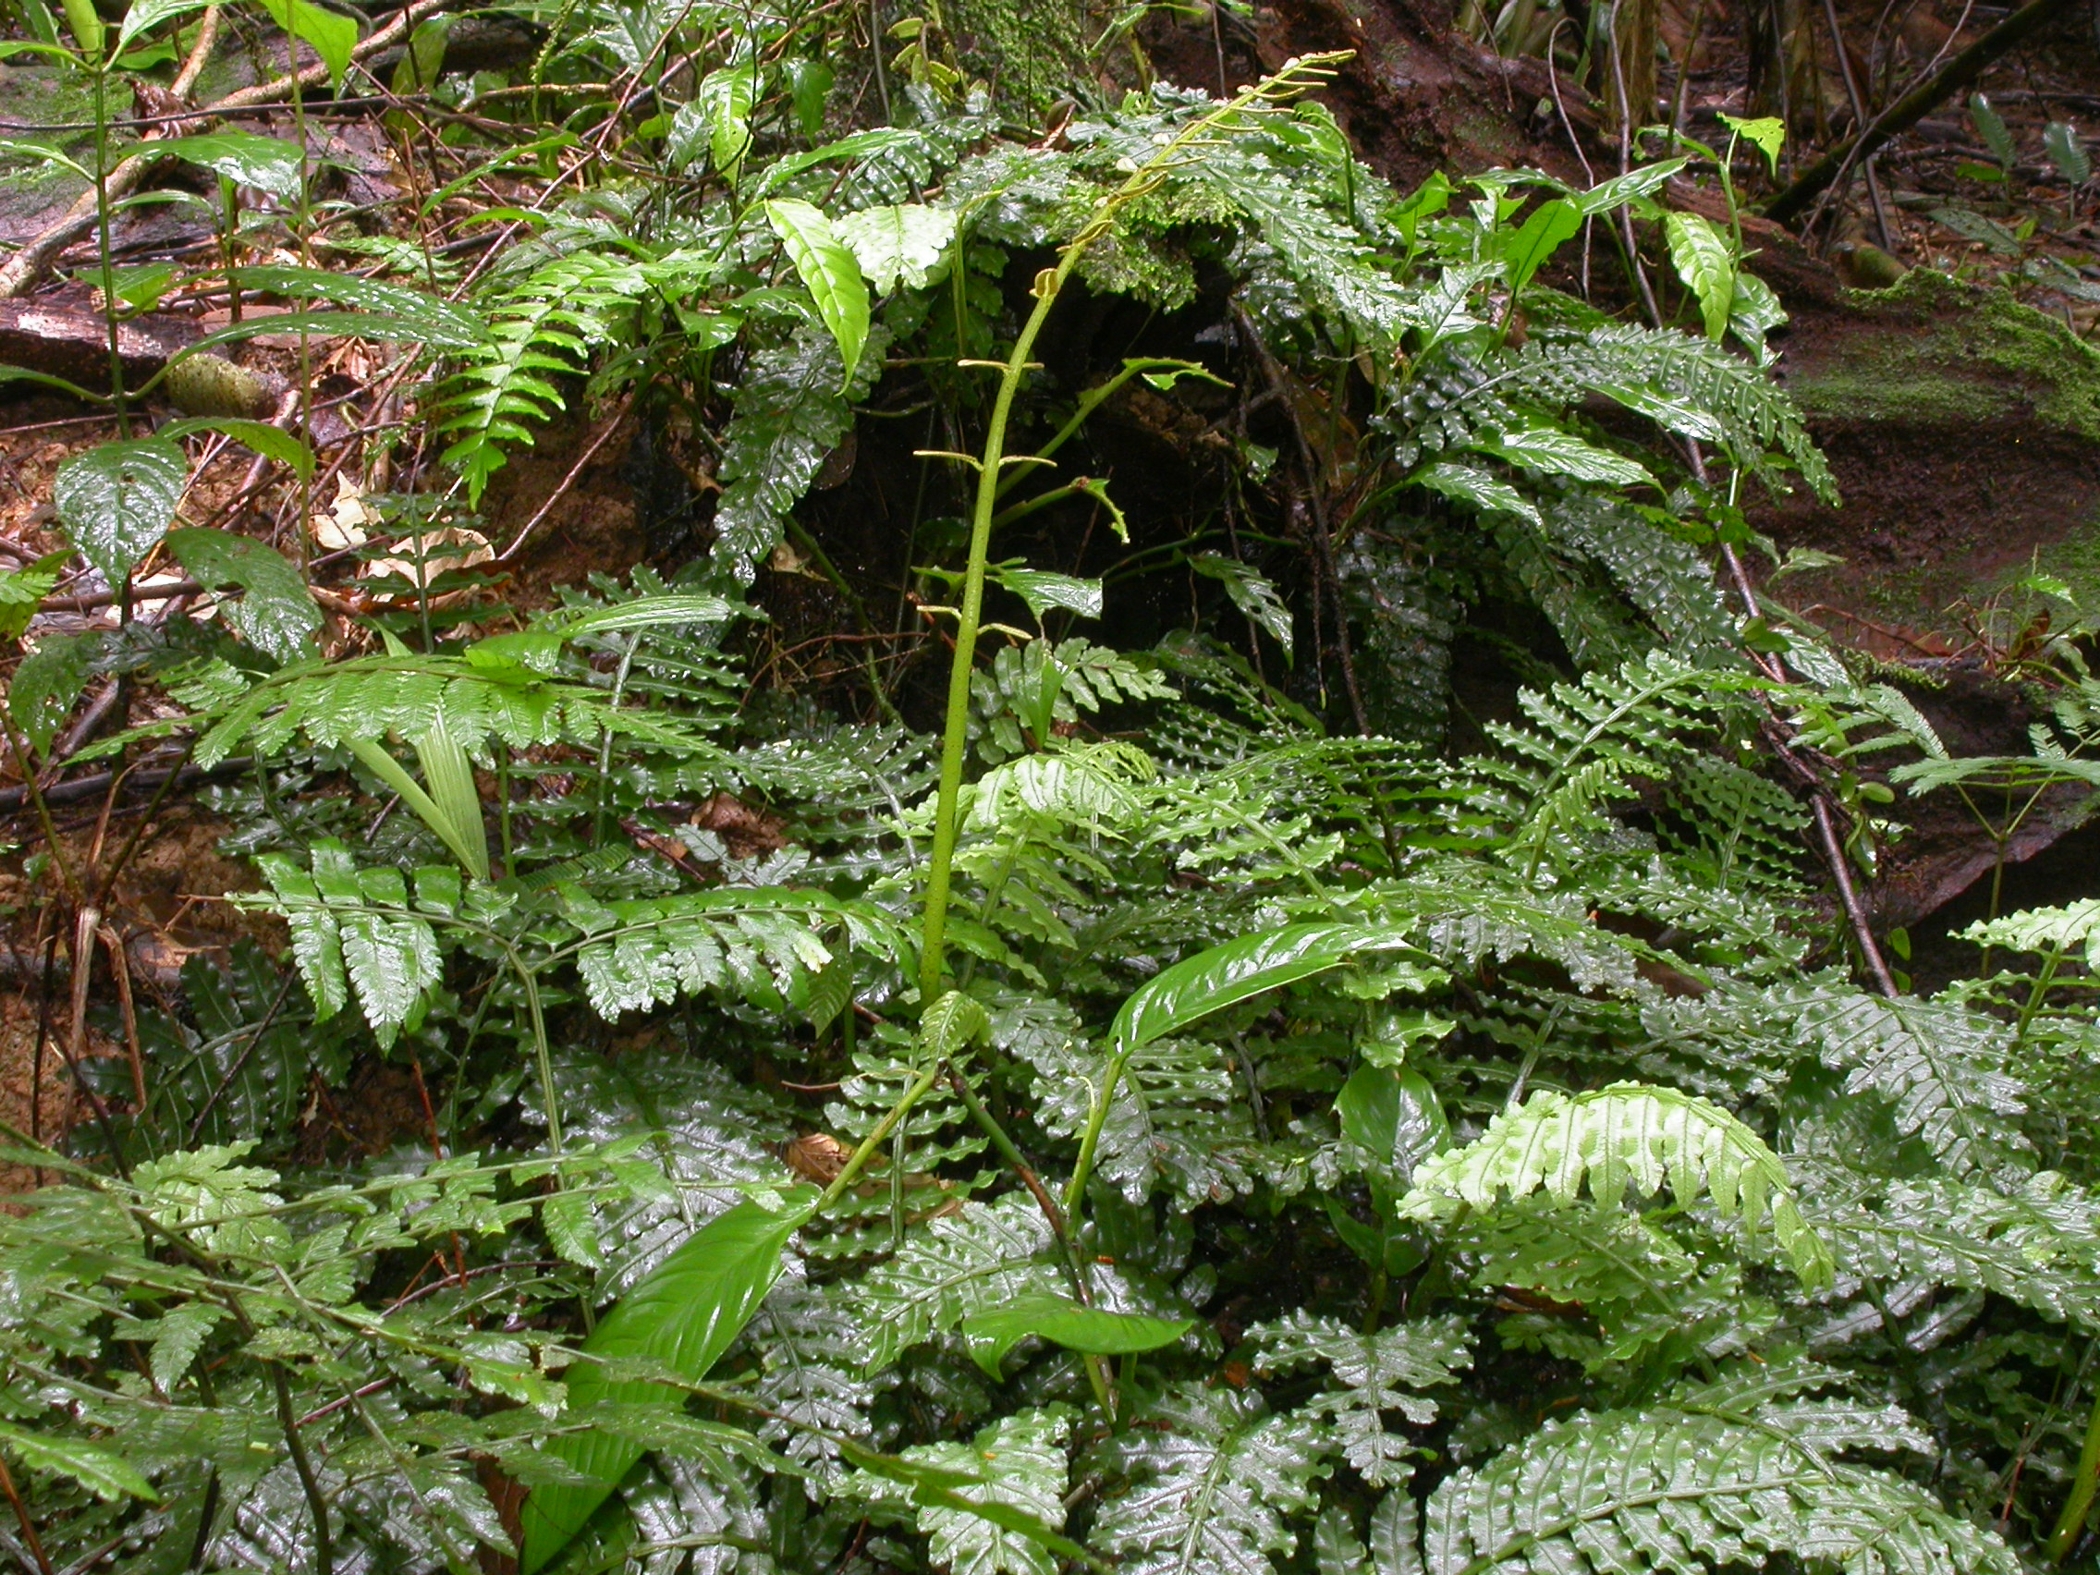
[[1213, 1480], [790, 413], [1721, 1477], [542, 329], [1374, 1373], [1628, 1136]]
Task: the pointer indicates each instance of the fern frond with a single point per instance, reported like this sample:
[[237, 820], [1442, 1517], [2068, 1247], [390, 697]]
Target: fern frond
[[2037, 1244], [790, 413], [1667, 579], [1628, 1136], [763, 943], [1943, 1069], [1720, 1478], [355, 930], [977, 1258], [1018, 1464], [542, 329], [1213, 1480], [1374, 1374]]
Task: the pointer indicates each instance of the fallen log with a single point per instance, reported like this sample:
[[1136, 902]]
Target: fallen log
[[1915, 105]]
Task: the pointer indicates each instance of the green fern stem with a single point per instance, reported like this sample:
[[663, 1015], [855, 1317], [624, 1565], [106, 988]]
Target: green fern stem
[[2083, 1487], [1096, 1120], [1296, 76], [933, 946]]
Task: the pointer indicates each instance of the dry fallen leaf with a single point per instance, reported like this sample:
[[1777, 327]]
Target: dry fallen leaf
[[344, 525], [432, 554]]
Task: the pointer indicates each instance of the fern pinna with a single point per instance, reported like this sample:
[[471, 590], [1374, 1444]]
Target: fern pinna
[[1309, 1153]]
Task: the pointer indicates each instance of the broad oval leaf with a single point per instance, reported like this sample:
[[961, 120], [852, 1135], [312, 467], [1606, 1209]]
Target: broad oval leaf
[[1225, 975], [331, 35], [1535, 241], [1394, 1116], [681, 1318], [266, 163], [1043, 590], [829, 272], [48, 681], [1705, 261], [993, 1332], [117, 500], [276, 613]]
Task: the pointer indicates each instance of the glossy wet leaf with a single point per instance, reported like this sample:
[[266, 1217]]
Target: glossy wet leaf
[[994, 1331], [682, 1318], [117, 500], [1225, 975], [276, 612], [828, 271]]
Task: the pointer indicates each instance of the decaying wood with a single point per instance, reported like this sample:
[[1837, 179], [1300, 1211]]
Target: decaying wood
[[72, 342], [22, 271]]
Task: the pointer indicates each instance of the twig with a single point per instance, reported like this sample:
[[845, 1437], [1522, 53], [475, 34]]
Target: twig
[[1272, 369], [1859, 118], [561, 489], [36, 1548], [12, 799], [1913, 107]]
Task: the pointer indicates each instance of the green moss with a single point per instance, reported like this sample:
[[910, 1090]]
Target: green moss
[[1032, 51], [1954, 354]]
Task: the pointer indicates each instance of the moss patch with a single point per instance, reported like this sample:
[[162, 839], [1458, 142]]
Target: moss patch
[[1954, 354]]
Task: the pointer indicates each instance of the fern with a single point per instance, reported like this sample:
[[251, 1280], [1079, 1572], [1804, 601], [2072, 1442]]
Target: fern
[[1586, 743], [354, 930], [2037, 1245], [764, 944], [1374, 1374], [1213, 1480], [542, 329], [1667, 579], [791, 412], [960, 1263], [1942, 1069], [1728, 1474], [1613, 1139], [1017, 1463]]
